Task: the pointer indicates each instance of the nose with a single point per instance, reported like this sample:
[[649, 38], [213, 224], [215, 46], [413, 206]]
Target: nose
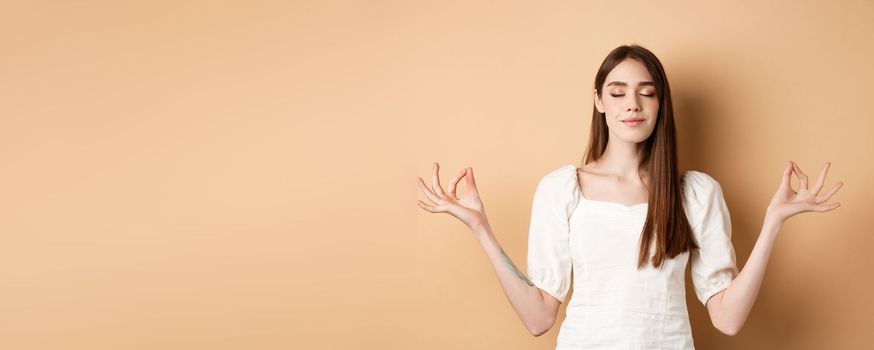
[[633, 105]]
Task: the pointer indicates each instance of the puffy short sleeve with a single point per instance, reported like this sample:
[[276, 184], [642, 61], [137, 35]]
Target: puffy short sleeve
[[713, 264], [549, 260]]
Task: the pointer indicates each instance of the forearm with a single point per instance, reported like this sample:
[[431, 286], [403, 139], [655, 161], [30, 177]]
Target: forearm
[[733, 305], [526, 299]]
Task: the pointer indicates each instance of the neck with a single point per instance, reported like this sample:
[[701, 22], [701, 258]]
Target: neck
[[622, 158]]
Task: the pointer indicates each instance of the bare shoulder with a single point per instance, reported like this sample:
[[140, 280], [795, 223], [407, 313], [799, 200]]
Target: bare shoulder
[[591, 178], [595, 175], [591, 170]]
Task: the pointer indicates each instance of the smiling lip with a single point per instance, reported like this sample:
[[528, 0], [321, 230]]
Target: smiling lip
[[632, 122]]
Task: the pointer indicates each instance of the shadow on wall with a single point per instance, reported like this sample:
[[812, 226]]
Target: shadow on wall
[[774, 319]]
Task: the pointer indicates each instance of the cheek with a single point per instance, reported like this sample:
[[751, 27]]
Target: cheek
[[612, 107]]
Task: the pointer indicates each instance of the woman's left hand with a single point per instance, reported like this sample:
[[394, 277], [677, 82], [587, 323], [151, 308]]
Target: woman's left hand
[[787, 203]]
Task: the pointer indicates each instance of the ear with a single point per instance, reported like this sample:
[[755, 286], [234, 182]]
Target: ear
[[598, 104]]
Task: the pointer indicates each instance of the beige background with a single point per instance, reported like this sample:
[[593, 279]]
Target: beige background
[[204, 175]]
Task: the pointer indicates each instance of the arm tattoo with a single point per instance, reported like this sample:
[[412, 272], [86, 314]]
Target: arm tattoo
[[514, 269]]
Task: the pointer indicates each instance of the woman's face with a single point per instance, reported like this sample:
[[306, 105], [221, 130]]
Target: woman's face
[[629, 101]]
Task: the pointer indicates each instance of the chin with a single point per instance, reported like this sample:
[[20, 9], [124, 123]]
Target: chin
[[635, 138]]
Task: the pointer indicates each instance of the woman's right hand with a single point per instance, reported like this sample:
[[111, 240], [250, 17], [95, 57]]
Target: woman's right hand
[[468, 208]]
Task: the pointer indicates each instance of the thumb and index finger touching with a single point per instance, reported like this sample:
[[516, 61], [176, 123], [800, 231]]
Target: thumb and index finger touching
[[817, 187], [787, 175], [466, 173], [786, 179], [468, 178]]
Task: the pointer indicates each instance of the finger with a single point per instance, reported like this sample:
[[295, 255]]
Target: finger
[[469, 179], [427, 207], [825, 208], [825, 196], [435, 181], [802, 177], [451, 187], [821, 180], [785, 181], [431, 196]]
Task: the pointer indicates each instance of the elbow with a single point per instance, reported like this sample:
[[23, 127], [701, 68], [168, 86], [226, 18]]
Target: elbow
[[729, 330], [540, 329], [537, 331]]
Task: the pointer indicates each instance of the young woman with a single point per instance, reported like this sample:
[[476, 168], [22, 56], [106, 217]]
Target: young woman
[[626, 223]]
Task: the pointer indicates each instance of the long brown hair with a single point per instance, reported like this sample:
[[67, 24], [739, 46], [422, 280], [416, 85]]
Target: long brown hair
[[666, 221]]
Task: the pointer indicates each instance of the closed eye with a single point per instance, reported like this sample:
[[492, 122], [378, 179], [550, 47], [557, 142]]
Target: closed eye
[[647, 95]]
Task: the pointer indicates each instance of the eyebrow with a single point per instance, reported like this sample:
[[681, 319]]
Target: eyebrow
[[622, 83]]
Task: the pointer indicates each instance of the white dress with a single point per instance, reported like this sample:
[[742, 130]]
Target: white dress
[[615, 305]]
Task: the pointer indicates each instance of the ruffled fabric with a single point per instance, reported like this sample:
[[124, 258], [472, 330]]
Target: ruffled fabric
[[549, 259], [616, 305], [714, 264]]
